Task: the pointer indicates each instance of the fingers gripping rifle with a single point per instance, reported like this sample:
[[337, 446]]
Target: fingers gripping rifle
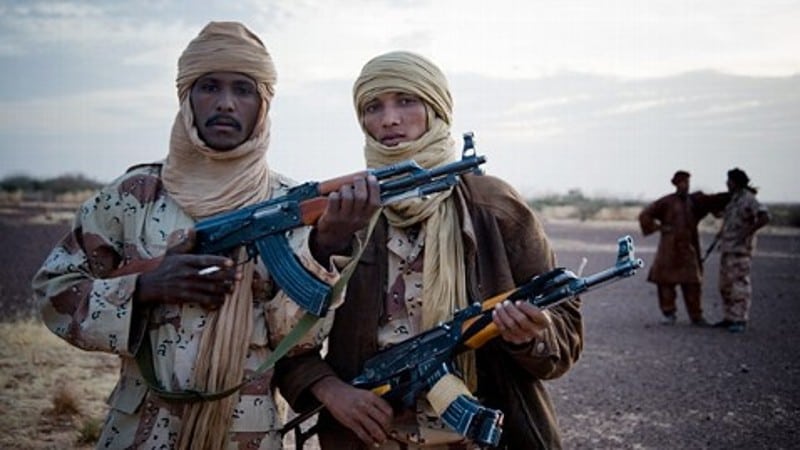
[[548, 290], [261, 228], [404, 371]]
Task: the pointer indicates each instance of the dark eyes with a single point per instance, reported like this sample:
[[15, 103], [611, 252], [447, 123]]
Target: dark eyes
[[243, 90], [407, 100], [208, 87], [403, 100], [370, 108]]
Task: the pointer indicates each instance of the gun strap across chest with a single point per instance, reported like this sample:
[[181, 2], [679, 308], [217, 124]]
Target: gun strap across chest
[[144, 359]]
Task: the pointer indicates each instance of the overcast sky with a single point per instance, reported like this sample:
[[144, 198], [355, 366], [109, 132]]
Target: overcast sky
[[607, 97]]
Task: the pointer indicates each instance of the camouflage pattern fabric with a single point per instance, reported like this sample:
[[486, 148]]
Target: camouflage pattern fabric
[[737, 234], [735, 287], [737, 242], [420, 427], [132, 219]]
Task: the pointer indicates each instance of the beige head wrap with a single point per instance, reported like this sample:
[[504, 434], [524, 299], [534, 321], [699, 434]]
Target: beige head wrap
[[204, 182], [444, 286], [411, 73]]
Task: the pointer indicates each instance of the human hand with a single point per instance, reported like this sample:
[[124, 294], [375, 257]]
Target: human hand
[[182, 277], [520, 323], [349, 209], [366, 414]]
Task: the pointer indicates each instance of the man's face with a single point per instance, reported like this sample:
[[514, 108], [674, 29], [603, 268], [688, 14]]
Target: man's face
[[225, 107], [682, 185], [392, 118]]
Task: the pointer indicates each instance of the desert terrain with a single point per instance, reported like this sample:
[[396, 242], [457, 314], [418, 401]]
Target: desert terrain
[[638, 384]]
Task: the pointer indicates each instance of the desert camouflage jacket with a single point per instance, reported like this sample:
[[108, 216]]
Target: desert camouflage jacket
[[83, 303], [737, 234]]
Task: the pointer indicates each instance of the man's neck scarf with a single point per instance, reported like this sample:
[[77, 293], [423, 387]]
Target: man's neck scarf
[[204, 182], [443, 277]]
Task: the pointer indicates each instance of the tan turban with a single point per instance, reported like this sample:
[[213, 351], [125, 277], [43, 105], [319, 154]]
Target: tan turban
[[407, 72], [443, 278], [411, 73], [204, 182]]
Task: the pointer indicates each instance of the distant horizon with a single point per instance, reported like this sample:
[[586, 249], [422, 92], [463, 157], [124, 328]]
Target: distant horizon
[[528, 196]]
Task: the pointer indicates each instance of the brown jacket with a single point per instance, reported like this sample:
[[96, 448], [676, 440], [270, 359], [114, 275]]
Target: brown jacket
[[509, 248]]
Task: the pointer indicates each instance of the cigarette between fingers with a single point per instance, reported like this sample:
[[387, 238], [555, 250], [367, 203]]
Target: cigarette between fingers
[[208, 270]]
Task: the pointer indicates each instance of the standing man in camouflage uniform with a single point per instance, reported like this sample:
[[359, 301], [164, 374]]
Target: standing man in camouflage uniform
[[677, 261], [744, 215], [207, 321]]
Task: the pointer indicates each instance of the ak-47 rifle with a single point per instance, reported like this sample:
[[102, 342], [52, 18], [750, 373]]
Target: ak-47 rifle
[[261, 227], [405, 370]]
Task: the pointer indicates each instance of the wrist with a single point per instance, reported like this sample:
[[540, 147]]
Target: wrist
[[141, 293], [323, 246], [324, 388]]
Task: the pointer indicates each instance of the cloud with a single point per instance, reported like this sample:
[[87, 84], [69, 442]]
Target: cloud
[[557, 132], [612, 95], [89, 112]]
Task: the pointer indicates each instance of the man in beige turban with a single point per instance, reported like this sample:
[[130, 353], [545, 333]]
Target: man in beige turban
[[426, 259], [207, 330]]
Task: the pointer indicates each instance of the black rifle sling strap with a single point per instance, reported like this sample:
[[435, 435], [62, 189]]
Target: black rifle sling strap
[[144, 355], [713, 243]]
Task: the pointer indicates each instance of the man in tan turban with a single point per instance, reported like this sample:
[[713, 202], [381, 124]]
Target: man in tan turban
[[426, 259], [207, 330], [677, 261]]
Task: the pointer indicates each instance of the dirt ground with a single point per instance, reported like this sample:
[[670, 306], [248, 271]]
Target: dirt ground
[[643, 385], [639, 384]]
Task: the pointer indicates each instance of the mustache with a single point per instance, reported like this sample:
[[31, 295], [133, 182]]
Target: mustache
[[223, 120]]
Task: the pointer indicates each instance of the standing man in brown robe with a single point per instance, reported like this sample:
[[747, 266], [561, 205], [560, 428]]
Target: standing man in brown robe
[[678, 261]]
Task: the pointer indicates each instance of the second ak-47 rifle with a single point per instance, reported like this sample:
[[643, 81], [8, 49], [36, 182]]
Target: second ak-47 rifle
[[403, 371]]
